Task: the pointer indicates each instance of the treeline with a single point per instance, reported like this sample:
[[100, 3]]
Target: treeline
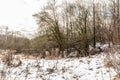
[[12, 40], [78, 24]]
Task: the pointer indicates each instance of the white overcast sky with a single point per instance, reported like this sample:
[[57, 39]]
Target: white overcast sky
[[17, 14]]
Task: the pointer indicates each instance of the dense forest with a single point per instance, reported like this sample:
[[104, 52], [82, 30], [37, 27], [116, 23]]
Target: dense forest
[[12, 40]]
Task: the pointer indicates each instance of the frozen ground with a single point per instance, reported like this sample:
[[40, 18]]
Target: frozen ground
[[65, 69]]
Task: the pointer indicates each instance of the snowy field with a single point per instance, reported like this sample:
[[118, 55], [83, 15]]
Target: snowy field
[[64, 69]]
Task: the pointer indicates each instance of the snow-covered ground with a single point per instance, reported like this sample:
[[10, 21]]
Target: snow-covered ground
[[64, 69]]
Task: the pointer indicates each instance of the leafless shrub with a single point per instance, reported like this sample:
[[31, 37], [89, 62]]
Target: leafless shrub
[[9, 59], [113, 59]]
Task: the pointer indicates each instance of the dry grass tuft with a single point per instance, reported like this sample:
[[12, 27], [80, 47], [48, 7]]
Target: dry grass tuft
[[108, 64], [117, 77], [50, 71]]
